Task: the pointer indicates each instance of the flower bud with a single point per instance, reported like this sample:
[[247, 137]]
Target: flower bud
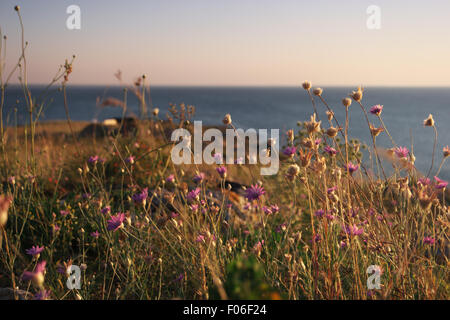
[[306, 85]]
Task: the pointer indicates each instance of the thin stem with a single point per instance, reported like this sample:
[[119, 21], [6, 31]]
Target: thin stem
[[434, 150]]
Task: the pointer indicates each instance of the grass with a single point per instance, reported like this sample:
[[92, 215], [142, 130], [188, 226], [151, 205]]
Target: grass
[[321, 222]]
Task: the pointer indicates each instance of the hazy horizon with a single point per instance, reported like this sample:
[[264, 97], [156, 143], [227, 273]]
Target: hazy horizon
[[235, 43]]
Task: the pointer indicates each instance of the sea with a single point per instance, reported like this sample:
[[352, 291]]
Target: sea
[[265, 108]]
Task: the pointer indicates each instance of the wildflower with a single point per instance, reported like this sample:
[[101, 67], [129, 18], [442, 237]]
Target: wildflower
[[313, 125], [429, 240], [257, 248], [254, 192], [446, 152], [353, 230], [35, 251], [140, 198], [282, 227], [222, 171], [64, 212], [64, 268], [332, 132], [267, 210], [170, 179], [429, 122], [12, 180], [116, 222], [274, 208], [352, 167], [331, 190], [106, 210], [401, 152], [37, 276], [331, 151], [193, 194], [329, 217], [199, 177], [343, 244], [347, 102], [130, 159], [317, 238], [357, 95], [425, 200], [5, 202], [376, 109], [424, 181], [93, 159], [42, 295], [193, 207], [290, 151], [179, 278], [227, 119], [55, 229], [319, 213], [95, 234], [200, 238], [375, 131], [440, 184], [306, 85], [290, 135], [86, 195], [317, 91]]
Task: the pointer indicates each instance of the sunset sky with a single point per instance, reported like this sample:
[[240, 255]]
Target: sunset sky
[[236, 43]]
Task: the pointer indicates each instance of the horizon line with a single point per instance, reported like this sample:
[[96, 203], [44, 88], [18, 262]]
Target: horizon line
[[237, 86]]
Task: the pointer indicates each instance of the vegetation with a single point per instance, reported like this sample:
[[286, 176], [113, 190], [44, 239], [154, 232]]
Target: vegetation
[[140, 227]]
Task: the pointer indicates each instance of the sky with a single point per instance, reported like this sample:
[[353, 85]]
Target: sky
[[235, 42]]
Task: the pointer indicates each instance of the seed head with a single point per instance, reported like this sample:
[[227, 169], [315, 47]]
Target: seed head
[[292, 172], [305, 157], [290, 135], [332, 132], [317, 91], [17, 8], [429, 122], [358, 94], [446, 151], [313, 125], [306, 85], [227, 119], [347, 102], [375, 131]]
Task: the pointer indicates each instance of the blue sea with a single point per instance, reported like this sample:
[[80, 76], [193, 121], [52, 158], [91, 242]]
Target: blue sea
[[269, 107]]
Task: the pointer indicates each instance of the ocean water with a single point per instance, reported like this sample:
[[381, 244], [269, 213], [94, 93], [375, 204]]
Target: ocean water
[[270, 107]]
